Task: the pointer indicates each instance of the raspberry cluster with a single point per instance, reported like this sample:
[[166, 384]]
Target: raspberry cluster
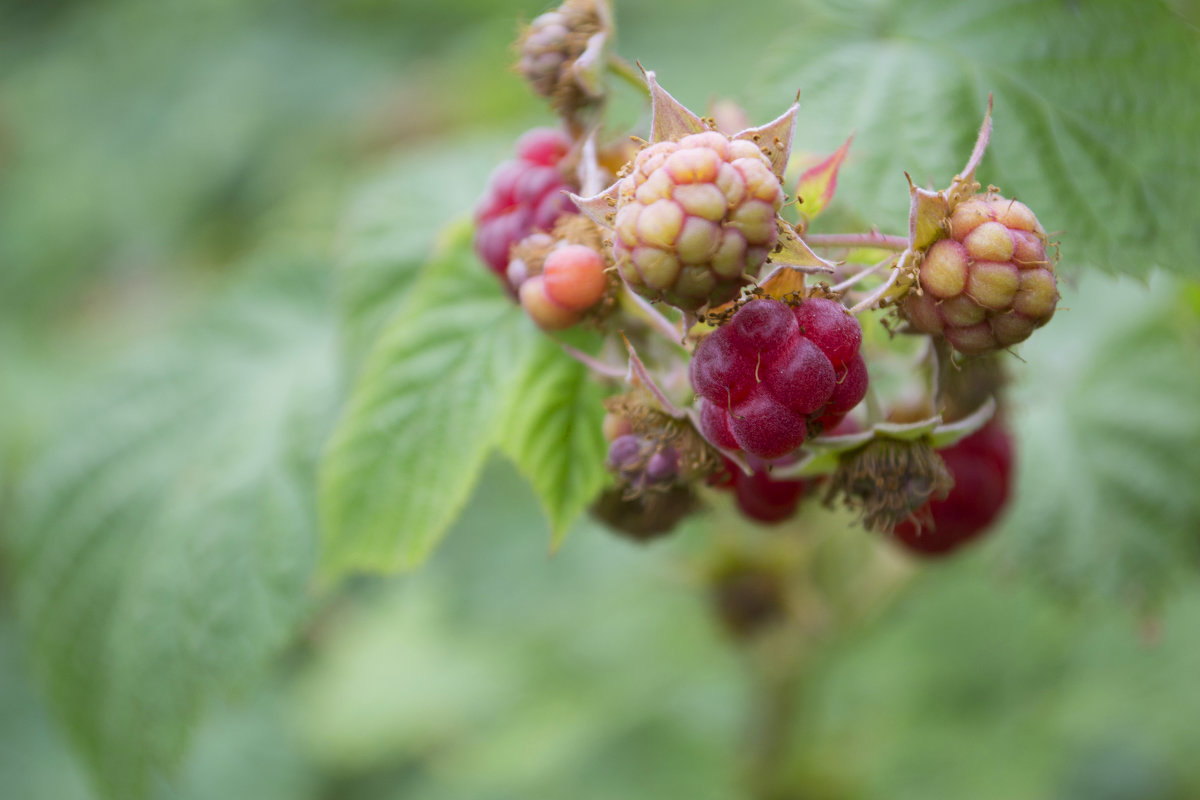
[[686, 221], [773, 371], [522, 195], [990, 284], [694, 218], [981, 465]]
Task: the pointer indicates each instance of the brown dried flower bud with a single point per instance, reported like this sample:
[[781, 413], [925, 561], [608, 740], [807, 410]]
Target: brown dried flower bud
[[888, 480]]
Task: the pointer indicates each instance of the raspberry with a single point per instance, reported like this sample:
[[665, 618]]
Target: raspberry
[[642, 464], [548, 315], [981, 465], [575, 277], [990, 284], [694, 218], [522, 195], [571, 281], [759, 496], [772, 371], [554, 54]]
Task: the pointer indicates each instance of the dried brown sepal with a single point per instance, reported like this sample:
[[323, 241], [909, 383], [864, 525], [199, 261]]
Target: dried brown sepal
[[888, 480], [748, 598], [648, 516], [783, 286]]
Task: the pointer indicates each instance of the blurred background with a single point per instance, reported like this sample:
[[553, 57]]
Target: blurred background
[[205, 212]]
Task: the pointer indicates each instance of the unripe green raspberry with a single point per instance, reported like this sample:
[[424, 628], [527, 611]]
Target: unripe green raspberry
[[694, 218], [990, 284]]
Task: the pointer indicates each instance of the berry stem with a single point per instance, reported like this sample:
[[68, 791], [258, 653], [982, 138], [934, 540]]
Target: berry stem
[[774, 707], [628, 73], [595, 365], [658, 323], [874, 407], [939, 363], [639, 373], [858, 276], [874, 297], [873, 239]]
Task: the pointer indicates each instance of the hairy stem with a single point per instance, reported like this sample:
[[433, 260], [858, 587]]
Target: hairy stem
[[858, 276], [872, 239], [874, 297], [628, 73]]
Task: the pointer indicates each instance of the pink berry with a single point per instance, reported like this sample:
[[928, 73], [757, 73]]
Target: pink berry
[[990, 284], [542, 309], [521, 196], [694, 218], [575, 277]]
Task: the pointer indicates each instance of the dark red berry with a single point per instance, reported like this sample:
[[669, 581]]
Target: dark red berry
[[761, 497], [982, 468], [522, 195], [765, 427], [851, 388], [830, 327], [762, 378]]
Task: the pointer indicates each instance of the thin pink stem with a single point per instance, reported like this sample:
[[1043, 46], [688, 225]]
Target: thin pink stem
[[870, 300], [595, 365], [853, 279], [873, 239], [638, 370], [659, 323]]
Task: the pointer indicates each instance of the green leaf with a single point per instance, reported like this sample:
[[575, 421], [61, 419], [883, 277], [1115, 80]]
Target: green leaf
[[422, 417], [1106, 501], [1095, 124], [555, 436], [161, 545]]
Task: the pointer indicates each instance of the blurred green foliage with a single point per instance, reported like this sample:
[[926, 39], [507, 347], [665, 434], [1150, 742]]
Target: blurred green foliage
[[196, 197]]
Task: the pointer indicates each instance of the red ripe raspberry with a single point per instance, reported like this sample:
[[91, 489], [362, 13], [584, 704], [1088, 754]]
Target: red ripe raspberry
[[769, 373], [694, 217], [982, 468], [989, 285], [759, 496], [522, 195]]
